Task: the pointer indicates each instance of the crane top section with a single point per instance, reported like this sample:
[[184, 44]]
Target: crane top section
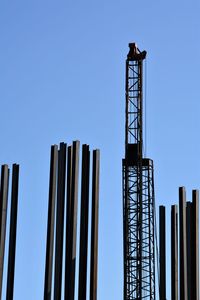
[[134, 104], [135, 53]]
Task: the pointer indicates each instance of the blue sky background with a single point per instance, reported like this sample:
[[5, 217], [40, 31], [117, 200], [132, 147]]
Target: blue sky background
[[62, 78]]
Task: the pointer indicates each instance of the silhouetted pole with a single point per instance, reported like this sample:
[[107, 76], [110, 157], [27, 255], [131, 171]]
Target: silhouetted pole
[[94, 231], [71, 268], [183, 248], [189, 234], [162, 240], [13, 232], [195, 245], [51, 222], [60, 221], [68, 242], [174, 252], [3, 217], [84, 223]]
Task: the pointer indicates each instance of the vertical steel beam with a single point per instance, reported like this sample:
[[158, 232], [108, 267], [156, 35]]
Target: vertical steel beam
[[162, 241], [13, 232], [94, 229], [60, 221], [50, 224], [174, 252], [125, 226], [68, 245], [84, 223], [195, 245], [74, 202], [189, 233], [3, 217], [70, 278], [183, 248]]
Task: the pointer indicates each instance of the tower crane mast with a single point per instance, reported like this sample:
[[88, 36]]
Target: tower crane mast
[[138, 190]]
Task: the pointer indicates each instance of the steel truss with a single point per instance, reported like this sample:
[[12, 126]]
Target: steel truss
[[138, 192]]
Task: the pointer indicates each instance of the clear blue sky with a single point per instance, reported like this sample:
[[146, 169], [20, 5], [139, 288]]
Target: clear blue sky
[[62, 78]]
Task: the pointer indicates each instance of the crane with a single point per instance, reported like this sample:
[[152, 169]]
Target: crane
[[138, 190]]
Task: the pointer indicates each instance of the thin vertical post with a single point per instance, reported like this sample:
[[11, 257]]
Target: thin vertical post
[[162, 240], [189, 234], [183, 248], [68, 242], [70, 286], [174, 252], [84, 223], [3, 217], [50, 224], [13, 232], [94, 229], [60, 221], [195, 245]]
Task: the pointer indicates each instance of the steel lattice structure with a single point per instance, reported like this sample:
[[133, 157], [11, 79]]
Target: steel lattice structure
[[138, 191]]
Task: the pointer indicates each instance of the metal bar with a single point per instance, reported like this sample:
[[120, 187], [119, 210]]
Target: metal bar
[[195, 245], [3, 217], [183, 248], [50, 224], [153, 232], [189, 227], [68, 245], [149, 200], [84, 223], [125, 223], [70, 286], [174, 252], [60, 221], [162, 240], [94, 229], [140, 182], [149, 225], [13, 232]]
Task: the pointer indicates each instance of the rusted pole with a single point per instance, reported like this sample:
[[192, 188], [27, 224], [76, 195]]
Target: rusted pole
[[60, 221], [183, 249], [84, 223], [13, 232], [162, 240], [174, 252], [3, 217], [51, 222], [95, 221]]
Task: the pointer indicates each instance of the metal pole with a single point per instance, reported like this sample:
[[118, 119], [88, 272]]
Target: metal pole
[[60, 221], [51, 221], [70, 286], [162, 241], [189, 233], [68, 245], [174, 252], [195, 245], [3, 217], [94, 231], [13, 232], [84, 223], [183, 248], [125, 223]]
